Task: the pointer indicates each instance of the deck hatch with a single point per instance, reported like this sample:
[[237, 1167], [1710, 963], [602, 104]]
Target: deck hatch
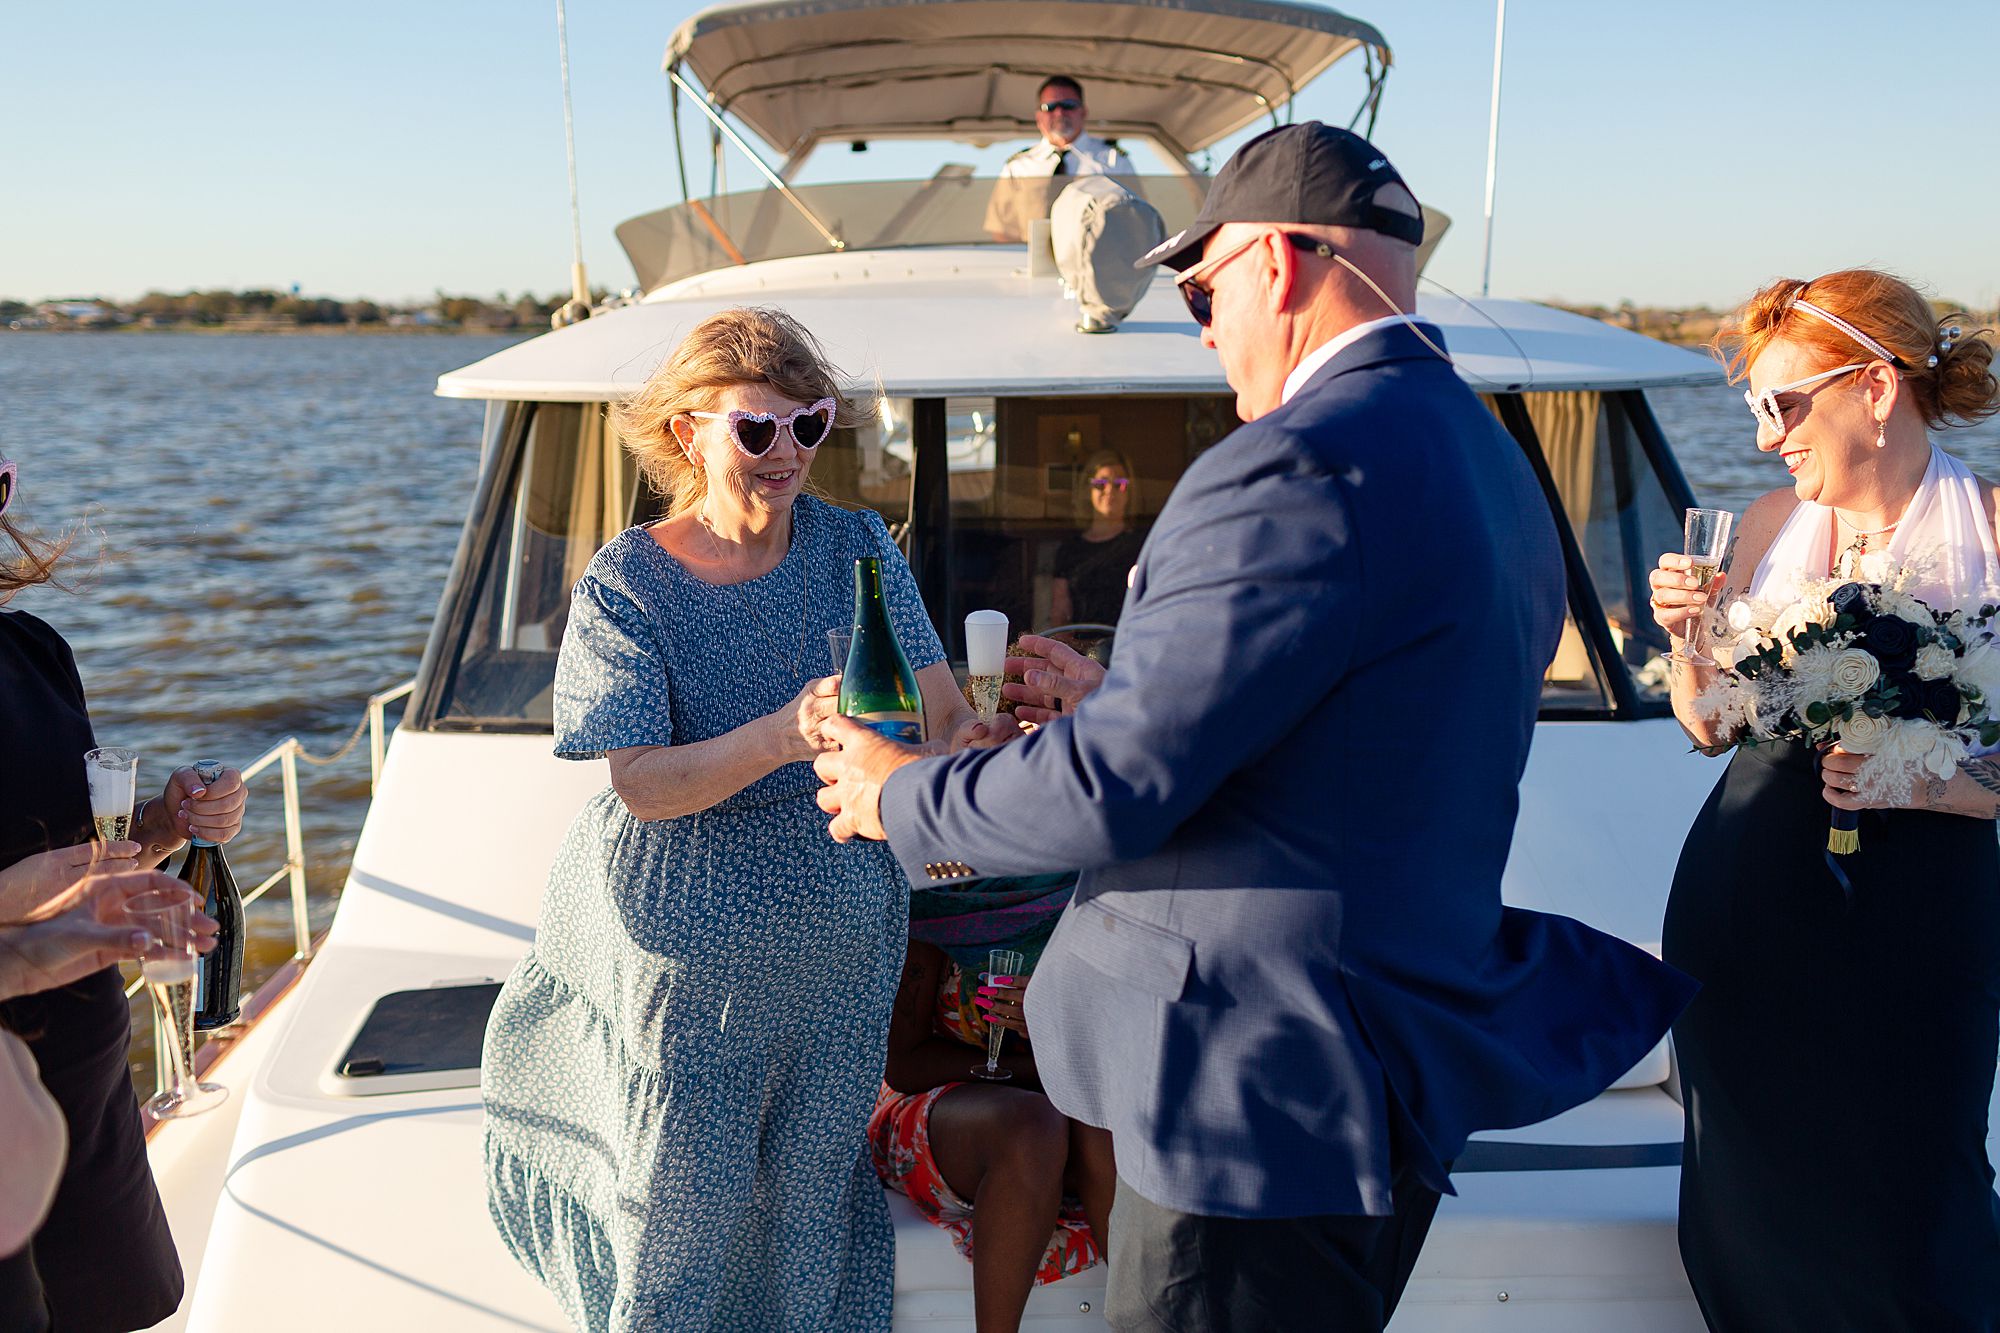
[[415, 1040]]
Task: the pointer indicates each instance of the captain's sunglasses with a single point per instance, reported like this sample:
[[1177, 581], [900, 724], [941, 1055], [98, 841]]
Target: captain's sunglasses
[[1062, 104], [756, 432], [1201, 301], [10, 477], [1109, 483], [1771, 412]]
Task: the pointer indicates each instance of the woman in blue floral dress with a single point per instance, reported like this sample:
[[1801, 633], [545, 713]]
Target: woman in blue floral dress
[[676, 1106]]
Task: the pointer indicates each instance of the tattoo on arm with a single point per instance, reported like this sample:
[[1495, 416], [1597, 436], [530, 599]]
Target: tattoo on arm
[[1935, 791], [1985, 772]]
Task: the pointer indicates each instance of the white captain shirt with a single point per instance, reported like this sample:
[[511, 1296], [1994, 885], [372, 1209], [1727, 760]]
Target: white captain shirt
[[1088, 155], [1333, 346]]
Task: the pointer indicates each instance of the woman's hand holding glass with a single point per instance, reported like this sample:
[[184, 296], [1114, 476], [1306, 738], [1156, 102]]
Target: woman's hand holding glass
[[799, 727], [1003, 1000], [1680, 598], [1055, 678], [30, 885], [88, 927]]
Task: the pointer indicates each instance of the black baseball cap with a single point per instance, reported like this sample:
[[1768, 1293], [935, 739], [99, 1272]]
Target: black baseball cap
[[1312, 174]]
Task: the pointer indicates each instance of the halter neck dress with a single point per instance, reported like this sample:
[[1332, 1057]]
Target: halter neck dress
[[1838, 1063], [678, 1077]]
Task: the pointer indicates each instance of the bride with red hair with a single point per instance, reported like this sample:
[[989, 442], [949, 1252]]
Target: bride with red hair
[[1838, 1063]]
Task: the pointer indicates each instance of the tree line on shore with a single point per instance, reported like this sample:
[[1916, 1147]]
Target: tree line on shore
[[261, 309]]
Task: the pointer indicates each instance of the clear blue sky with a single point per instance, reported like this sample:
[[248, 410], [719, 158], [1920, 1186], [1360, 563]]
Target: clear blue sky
[[1663, 153]]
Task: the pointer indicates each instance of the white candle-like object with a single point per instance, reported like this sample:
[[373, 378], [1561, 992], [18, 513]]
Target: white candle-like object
[[985, 643]]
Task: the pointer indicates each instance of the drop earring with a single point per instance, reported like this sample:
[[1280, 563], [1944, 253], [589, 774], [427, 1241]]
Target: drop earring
[[1881, 435]]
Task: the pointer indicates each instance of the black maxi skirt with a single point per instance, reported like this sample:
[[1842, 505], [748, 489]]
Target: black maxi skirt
[[1838, 1062]]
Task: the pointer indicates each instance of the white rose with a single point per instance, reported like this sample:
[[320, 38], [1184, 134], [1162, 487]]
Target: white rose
[[1790, 621], [1863, 734], [1902, 605], [1853, 672], [1935, 662], [1742, 616]]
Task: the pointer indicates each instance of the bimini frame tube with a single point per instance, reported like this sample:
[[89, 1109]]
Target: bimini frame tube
[[777, 182]]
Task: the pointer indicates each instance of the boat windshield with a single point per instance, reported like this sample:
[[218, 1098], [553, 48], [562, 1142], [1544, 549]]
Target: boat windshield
[[1016, 503], [953, 207]]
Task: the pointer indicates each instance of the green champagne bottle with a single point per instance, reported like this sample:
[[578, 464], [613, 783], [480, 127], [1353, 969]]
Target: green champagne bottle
[[877, 688], [218, 974]]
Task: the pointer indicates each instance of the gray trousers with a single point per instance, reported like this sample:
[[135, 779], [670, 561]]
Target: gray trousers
[[1174, 1272]]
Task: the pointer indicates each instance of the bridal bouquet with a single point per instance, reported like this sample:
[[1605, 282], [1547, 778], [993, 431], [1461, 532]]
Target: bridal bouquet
[[1866, 665]]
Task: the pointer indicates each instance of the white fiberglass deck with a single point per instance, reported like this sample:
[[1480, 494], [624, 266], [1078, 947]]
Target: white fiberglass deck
[[338, 1209]]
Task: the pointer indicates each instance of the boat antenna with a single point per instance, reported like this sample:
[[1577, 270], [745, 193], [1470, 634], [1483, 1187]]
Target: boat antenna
[[578, 305], [1493, 148]]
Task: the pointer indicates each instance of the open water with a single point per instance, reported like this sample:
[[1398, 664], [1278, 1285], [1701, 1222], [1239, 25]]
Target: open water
[[267, 522]]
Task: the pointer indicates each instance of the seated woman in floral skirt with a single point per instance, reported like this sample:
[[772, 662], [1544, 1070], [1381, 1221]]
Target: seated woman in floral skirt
[[1038, 1183]]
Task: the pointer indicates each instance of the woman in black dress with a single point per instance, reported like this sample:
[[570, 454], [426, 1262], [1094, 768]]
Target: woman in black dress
[[103, 1261], [1092, 566], [1839, 1060]]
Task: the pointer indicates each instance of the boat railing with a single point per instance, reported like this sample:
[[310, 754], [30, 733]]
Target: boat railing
[[286, 756]]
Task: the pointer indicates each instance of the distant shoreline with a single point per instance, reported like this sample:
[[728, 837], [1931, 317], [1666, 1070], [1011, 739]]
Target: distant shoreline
[[282, 330]]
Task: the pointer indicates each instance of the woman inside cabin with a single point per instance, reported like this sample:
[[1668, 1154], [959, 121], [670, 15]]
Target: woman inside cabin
[[1838, 1062], [1024, 1191], [678, 1076], [102, 1261], [1092, 566]]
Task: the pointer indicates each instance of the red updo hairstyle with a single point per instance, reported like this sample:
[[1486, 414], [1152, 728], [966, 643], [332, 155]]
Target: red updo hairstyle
[[1960, 387]]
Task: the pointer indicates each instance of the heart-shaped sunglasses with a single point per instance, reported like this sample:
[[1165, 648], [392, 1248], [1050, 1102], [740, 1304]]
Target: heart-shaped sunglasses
[[10, 480], [756, 432]]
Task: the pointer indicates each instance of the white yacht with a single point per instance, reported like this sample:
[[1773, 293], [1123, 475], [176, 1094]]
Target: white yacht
[[342, 1185]]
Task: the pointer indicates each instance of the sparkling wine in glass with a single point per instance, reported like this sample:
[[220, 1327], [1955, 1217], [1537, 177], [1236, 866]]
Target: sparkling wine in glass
[[166, 967], [838, 641], [113, 775], [999, 963], [1706, 546], [985, 660]]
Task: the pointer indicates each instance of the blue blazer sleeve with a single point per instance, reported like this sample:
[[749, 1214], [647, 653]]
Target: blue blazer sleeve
[[1243, 616]]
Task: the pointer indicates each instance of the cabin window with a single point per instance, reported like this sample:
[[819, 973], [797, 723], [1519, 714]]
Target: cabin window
[[1030, 535], [570, 489], [1618, 508]]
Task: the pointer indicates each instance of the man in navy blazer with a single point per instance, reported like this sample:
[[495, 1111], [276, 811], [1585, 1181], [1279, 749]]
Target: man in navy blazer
[[1287, 984]]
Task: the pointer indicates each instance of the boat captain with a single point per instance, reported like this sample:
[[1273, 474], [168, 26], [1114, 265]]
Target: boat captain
[[1027, 179]]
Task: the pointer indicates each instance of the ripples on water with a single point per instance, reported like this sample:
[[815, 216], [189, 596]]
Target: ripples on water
[[270, 522], [272, 519]]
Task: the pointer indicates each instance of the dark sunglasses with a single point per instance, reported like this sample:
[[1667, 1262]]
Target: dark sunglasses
[[10, 476], [1108, 483], [1201, 301], [756, 432], [1063, 104]]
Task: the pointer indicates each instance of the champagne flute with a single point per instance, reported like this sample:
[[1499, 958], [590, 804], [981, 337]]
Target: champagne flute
[[838, 641], [113, 775], [169, 964], [985, 660], [1706, 544], [999, 963]]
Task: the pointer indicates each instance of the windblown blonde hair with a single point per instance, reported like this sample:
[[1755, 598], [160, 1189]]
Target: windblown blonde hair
[[744, 345], [33, 561]]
